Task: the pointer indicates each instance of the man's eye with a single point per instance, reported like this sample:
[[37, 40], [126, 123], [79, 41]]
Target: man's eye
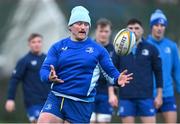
[[86, 24], [137, 28], [79, 23]]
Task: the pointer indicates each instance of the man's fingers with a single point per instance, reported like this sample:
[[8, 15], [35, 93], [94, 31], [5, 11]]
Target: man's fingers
[[55, 80], [52, 68], [127, 82], [122, 85], [157, 104], [54, 77], [59, 80], [124, 72], [129, 78], [52, 73], [129, 75]]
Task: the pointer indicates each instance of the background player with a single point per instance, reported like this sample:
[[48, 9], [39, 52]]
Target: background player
[[105, 98], [27, 71], [72, 66], [137, 99], [170, 64]]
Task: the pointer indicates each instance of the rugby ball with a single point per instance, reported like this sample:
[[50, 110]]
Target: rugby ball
[[124, 41]]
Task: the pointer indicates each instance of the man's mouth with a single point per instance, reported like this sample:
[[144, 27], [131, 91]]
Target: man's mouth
[[82, 32]]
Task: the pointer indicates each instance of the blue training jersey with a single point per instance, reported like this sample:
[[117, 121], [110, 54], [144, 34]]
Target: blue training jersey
[[27, 72], [77, 63], [170, 64]]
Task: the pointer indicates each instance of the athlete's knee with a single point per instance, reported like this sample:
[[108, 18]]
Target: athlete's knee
[[150, 119], [170, 117], [48, 118], [128, 119], [43, 118]]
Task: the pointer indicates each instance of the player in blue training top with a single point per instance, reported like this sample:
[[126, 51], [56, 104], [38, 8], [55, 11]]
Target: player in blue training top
[[72, 66], [27, 71], [137, 99], [105, 97], [170, 64]]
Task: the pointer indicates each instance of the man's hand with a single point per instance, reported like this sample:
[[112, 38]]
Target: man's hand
[[158, 100], [113, 100], [124, 78], [10, 105], [53, 77]]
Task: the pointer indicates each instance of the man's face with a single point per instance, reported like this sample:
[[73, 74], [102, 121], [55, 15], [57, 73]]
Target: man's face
[[137, 29], [158, 31], [103, 34], [79, 30], [36, 45]]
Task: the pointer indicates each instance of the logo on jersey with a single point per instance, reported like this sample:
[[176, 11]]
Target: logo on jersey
[[89, 49], [174, 106], [121, 109], [64, 48], [167, 50], [152, 110], [48, 107], [33, 62], [145, 52]]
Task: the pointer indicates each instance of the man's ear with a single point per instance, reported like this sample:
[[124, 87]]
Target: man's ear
[[69, 28], [142, 30]]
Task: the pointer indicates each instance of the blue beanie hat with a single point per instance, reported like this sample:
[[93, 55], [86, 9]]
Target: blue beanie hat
[[158, 17], [79, 13]]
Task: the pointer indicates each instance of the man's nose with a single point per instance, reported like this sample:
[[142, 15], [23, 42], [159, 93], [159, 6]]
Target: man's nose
[[83, 26]]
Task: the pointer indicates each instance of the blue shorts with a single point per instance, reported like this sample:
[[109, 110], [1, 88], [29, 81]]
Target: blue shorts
[[136, 107], [169, 104], [34, 111], [101, 104], [67, 109]]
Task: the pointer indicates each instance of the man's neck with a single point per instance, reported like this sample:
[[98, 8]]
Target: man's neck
[[36, 53], [105, 44], [138, 41], [77, 40], [157, 38]]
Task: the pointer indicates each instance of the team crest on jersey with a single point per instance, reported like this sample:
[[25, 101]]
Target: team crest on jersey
[[34, 62], [89, 49], [145, 52], [167, 50], [48, 107]]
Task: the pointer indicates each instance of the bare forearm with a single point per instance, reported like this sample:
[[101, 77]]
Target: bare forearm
[[111, 90]]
